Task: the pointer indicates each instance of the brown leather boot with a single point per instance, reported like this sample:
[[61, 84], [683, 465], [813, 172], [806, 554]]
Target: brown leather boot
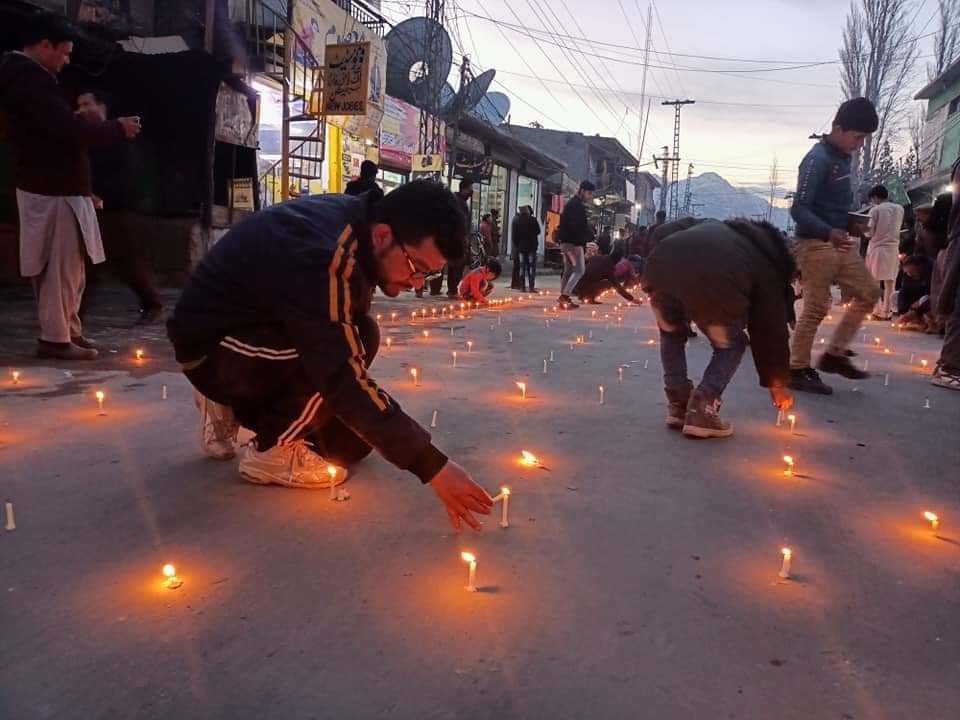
[[677, 400], [703, 418]]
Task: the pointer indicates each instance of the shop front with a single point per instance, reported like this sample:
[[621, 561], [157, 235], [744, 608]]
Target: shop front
[[399, 138]]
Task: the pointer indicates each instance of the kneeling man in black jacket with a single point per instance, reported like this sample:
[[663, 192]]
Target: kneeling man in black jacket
[[274, 332], [727, 277]]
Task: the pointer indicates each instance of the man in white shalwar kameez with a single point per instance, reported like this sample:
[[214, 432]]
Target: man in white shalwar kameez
[[58, 222], [883, 251]]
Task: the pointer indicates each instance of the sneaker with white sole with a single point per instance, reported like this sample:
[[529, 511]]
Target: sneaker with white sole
[[218, 428], [292, 465]]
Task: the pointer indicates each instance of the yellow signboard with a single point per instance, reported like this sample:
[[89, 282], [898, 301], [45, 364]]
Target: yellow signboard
[[347, 79], [427, 163]]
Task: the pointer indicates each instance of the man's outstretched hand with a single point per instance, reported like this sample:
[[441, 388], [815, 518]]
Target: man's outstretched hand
[[782, 399], [461, 495]]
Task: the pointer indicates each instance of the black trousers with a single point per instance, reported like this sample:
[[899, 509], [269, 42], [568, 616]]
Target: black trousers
[[528, 270], [454, 276], [257, 373]]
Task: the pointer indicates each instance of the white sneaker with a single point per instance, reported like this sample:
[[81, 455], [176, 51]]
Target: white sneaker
[[292, 465], [218, 428]]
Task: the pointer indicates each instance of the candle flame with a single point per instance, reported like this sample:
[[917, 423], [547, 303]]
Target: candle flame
[[413, 371], [886, 351], [923, 363], [169, 570], [389, 342], [426, 333], [788, 460], [931, 517], [787, 553], [651, 341], [139, 354], [504, 490], [332, 471], [876, 341], [522, 386], [99, 395], [529, 458], [468, 557], [16, 375]]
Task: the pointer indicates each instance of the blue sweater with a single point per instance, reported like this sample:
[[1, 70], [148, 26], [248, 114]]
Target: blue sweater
[[824, 193]]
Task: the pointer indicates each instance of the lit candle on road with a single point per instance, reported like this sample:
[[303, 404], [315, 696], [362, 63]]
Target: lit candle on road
[[529, 459], [379, 319], [923, 364], [16, 377], [886, 351], [510, 336], [139, 355], [619, 374], [932, 518], [544, 366], [172, 582], [793, 423], [11, 521], [523, 390], [426, 334], [469, 346], [393, 317], [332, 472], [779, 418], [433, 420], [788, 472], [470, 558], [651, 341], [415, 374], [785, 567], [601, 394], [454, 353], [389, 341], [876, 341], [100, 397], [505, 499]]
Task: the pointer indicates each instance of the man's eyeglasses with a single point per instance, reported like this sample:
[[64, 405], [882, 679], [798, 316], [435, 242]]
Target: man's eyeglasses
[[419, 274]]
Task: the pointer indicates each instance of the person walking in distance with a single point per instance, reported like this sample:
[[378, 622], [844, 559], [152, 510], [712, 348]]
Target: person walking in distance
[[278, 337], [825, 252], [58, 222], [367, 182], [573, 234], [526, 240], [883, 252]]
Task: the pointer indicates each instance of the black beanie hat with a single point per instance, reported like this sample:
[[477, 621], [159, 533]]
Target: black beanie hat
[[857, 114]]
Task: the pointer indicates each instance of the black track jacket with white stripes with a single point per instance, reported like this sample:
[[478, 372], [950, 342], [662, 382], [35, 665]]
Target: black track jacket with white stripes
[[305, 267]]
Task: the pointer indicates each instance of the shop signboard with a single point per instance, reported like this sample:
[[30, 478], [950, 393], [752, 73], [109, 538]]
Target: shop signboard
[[399, 134], [431, 163], [241, 194], [347, 77], [471, 165], [322, 23]]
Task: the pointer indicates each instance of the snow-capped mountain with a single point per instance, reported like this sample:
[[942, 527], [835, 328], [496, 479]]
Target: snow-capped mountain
[[714, 197]]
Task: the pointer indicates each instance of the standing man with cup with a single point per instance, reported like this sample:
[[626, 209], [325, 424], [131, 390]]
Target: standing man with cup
[[826, 253]]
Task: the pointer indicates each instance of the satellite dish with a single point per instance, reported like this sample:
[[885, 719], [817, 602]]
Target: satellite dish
[[494, 107], [419, 58], [447, 96], [472, 94]]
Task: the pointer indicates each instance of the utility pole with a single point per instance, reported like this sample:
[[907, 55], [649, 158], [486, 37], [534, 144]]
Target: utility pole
[[430, 140], [675, 177], [666, 160], [688, 195], [642, 134], [464, 79]]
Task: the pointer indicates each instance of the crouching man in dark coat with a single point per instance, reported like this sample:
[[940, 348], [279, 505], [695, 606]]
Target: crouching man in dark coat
[[728, 277]]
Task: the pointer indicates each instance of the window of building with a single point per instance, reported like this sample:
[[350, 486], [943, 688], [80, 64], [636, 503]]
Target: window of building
[[954, 106]]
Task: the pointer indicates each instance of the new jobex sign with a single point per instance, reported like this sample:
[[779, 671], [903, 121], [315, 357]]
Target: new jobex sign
[[347, 79]]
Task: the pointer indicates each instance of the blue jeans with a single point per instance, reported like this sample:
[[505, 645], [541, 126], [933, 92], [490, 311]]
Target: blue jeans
[[728, 341], [573, 267]]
